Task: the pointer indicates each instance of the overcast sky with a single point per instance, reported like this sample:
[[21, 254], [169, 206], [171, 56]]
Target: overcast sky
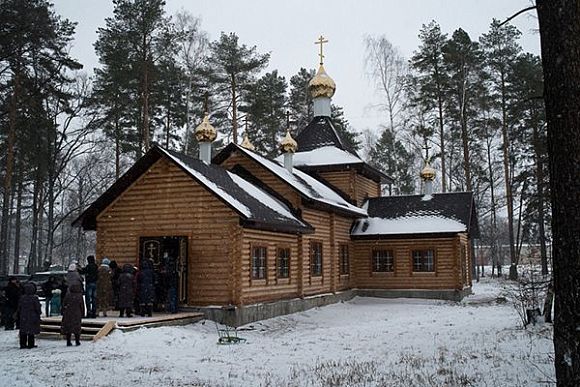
[[288, 29]]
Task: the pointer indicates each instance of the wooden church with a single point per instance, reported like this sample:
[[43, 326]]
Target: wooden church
[[256, 237]]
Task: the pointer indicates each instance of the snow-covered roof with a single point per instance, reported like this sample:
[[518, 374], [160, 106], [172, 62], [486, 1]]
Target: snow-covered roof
[[415, 214], [327, 155], [305, 184], [231, 188], [428, 224], [256, 207]]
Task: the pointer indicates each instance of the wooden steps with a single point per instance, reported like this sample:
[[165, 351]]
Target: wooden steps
[[50, 328], [95, 329]]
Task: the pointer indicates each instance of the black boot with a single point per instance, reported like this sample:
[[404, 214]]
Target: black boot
[[22, 341], [122, 312], [77, 339], [31, 341], [129, 312], [68, 343]]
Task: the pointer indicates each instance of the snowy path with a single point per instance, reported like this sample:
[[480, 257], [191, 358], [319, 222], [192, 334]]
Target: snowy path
[[364, 342]]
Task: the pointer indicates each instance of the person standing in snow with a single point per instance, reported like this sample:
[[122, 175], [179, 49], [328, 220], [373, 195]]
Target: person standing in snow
[[91, 273], [12, 291], [104, 288], [115, 273], [73, 310], [126, 291], [73, 277], [145, 281], [29, 311]]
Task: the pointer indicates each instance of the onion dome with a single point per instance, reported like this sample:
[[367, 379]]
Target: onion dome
[[322, 85], [428, 173], [246, 143], [288, 144], [205, 132]]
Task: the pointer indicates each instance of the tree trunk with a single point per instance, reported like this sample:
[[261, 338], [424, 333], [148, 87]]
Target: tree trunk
[[145, 96], [513, 274], [18, 222], [560, 44], [9, 170], [117, 145], [541, 208], [234, 110]]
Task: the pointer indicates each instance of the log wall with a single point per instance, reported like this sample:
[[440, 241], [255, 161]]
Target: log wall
[[355, 185], [447, 261], [165, 201]]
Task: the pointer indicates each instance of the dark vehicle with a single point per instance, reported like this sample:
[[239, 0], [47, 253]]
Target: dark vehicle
[[20, 277], [41, 277]]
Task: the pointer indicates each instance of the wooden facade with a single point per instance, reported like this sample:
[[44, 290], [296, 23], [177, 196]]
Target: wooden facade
[[165, 201], [451, 263]]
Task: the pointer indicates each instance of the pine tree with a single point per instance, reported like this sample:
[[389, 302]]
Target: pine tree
[[431, 83], [343, 128], [501, 51], [131, 48], [266, 112], [462, 60], [29, 30], [231, 68], [390, 156], [300, 100]]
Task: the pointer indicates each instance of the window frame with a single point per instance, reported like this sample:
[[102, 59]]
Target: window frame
[[253, 266], [318, 265], [424, 252], [288, 262], [343, 261], [376, 266]]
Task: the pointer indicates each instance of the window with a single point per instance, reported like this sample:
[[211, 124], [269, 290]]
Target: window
[[423, 260], [344, 260], [258, 262], [382, 261], [315, 259], [283, 270]]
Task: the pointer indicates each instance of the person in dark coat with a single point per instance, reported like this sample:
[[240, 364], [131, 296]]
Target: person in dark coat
[[115, 273], [29, 311], [12, 291], [145, 280], [73, 276], [47, 289], [73, 310], [172, 279], [104, 288], [91, 273], [126, 291]]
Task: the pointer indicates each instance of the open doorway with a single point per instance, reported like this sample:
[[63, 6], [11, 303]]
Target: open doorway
[[169, 256]]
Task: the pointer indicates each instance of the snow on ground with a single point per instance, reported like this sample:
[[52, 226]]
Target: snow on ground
[[363, 342]]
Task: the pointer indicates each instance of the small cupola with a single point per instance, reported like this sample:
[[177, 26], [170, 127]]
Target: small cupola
[[427, 174], [288, 146], [322, 86], [205, 134]]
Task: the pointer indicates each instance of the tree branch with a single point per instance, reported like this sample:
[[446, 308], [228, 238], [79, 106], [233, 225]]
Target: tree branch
[[517, 14]]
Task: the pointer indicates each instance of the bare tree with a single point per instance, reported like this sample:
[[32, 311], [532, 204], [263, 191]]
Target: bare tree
[[193, 49], [387, 69]]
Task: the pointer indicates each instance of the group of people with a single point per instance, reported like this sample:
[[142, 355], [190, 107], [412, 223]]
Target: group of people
[[106, 287]]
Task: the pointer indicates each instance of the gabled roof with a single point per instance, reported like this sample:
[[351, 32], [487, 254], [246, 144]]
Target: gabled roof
[[320, 132], [256, 208], [307, 186], [443, 213]]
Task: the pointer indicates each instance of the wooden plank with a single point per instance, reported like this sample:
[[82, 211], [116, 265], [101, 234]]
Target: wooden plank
[[105, 330]]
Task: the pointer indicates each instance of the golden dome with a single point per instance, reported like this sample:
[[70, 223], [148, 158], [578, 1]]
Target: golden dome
[[428, 172], [246, 143], [288, 144], [322, 85], [205, 132]]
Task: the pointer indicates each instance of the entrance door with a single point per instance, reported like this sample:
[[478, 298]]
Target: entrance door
[[164, 251]]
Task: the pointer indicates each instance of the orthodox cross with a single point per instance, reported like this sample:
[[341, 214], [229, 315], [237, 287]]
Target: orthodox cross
[[426, 147], [151, 249], [205, 102], [288, 119], [321, 41]]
